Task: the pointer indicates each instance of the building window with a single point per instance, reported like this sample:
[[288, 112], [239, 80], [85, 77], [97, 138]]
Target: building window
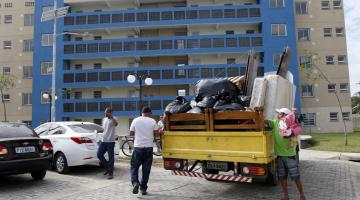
[[305, 61], [278, 30], [7, 19], [97, 37], [346, 116], [46, 39], [344, 87], [333, 116], [276, 59], [8, 5], [47, 8], [28, 45], [303, 34], [309, 119], [329, 60], [29, 20], [327, 32], [342, 59], [230, 61], [78, 66], [46, 68], [97, 65], [339, 32], [78, 95], [182, 92], [325, 5], [29, 4], [277, 3], [301, 8], [27, 71], [337, 5], [7, 44], [44, 100], [26, 99], [6, 97], [231, 32], [97, 94], [331, 87], [6, 71], [307, 91]]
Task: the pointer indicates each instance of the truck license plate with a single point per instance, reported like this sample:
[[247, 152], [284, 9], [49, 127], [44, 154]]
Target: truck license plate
[[222, 166], [29, 149]]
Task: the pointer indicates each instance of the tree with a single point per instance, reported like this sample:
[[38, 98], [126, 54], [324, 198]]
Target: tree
[[313, 73], [355, 104], [6, 82]]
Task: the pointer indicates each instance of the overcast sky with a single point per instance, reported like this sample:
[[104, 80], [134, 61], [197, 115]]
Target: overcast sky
[[352, 20]]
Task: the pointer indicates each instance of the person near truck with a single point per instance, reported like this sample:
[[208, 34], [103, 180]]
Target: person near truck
[[143, 128], [108, 143], [286, 162]]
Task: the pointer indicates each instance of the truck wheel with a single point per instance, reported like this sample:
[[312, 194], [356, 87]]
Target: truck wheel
[[272, 179]]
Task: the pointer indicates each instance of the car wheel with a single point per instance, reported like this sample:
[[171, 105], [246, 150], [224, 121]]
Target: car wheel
[[38, 175], [60, 164]]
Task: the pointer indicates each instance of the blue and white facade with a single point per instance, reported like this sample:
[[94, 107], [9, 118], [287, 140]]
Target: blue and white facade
[[175, 43]]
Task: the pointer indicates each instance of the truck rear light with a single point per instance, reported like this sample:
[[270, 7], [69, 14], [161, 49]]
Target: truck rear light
[[47, 146], [81, 140], [252, 170], [3, 150], [172, 164]]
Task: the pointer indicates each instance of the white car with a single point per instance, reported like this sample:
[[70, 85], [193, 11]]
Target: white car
[[74, 143]]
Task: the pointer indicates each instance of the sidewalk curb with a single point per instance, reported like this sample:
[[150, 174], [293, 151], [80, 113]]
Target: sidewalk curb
[[328, 155]]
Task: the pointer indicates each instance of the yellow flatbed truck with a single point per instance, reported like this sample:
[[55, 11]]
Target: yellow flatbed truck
[[227, 146]]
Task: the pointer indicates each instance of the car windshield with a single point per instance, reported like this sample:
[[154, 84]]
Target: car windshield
[[85, 128], [15, 130]]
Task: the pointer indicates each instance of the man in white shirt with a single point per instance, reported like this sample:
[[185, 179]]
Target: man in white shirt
[[143, 128], [108, 142]]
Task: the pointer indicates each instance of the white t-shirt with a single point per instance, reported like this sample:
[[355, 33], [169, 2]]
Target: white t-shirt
[[160, 125], [144, 131], [109, 130]]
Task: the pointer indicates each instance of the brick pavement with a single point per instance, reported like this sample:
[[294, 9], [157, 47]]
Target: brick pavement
[[322, 180]]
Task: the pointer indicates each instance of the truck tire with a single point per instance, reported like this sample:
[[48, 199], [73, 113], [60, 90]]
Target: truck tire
[[272, 179]]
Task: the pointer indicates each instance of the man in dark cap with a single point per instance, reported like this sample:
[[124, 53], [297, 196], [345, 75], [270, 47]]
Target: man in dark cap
[[143, 128]]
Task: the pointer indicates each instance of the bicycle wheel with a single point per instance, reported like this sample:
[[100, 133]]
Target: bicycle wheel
[[128, 148], [157, 151]]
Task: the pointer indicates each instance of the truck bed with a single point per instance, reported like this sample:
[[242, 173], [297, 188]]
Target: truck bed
[[231, 146]]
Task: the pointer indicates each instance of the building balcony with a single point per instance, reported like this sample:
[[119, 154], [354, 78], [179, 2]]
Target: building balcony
[[162, 17], [120, 106], [177, 45], [165, 75]]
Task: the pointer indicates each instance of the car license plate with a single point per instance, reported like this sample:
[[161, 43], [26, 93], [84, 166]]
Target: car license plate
[[222, 166], [29, 149]]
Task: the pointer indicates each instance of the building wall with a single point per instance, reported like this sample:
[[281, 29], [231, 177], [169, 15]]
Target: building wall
[[323, 102], [16, 58]]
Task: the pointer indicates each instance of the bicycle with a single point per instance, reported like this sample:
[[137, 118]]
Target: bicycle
[[128, 146]]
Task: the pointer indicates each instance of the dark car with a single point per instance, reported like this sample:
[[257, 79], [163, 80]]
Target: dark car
[[22, 151]]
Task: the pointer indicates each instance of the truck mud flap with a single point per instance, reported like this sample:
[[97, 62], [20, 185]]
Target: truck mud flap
[[219, 177]]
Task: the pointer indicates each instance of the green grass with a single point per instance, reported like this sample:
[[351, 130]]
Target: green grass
[[335, 142]]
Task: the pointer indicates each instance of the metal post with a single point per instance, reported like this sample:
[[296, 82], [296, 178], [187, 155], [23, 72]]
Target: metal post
[[53, 88], [140, 93], [50, 99]]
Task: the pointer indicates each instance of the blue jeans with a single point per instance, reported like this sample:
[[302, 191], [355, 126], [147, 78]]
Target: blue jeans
[[109, 148], [143, 157]]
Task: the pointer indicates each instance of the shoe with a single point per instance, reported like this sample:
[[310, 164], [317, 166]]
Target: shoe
[[143, 192], [136, 188], [110, 176], [106, 173]]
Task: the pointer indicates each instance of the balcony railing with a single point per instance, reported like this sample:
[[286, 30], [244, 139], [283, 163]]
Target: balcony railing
[[183, 44], [159, 16], [181, 73], [119, 105]]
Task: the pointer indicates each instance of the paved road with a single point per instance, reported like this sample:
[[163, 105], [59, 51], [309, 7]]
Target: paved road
[[321, 179]]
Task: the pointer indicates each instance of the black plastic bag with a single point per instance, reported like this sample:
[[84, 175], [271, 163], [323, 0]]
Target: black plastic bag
[[244, 100], [212, 87], [206, 102], [226, 107], [180, 105], [196, 110]]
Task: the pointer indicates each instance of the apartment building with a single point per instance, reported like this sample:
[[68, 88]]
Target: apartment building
[[176, 43], [16, 55], [321, 41]]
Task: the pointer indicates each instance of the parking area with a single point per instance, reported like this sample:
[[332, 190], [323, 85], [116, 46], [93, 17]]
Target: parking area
[[321, 180]]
